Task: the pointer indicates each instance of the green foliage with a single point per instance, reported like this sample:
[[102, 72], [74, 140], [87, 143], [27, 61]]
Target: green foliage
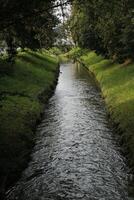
[[75, 53], [106, 27], [23, 89], [55, 51], [117, 84], [27, 23]]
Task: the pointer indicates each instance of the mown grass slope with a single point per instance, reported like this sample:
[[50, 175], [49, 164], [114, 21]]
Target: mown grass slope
[[24, 87], [117, 85]]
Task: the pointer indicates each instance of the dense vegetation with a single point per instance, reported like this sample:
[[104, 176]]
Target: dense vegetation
[[104, 26], [27, 23], [24, 87]]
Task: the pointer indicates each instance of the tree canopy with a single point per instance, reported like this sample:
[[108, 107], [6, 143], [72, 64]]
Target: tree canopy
[[27, 23], [104, 26]]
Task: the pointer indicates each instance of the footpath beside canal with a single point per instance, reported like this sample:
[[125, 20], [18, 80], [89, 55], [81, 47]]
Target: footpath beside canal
[[25, 87]]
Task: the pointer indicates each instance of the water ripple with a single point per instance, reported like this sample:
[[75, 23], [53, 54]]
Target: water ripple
[[76, 156]]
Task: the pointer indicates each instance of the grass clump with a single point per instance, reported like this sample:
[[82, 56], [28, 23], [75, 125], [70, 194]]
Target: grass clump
[[24, 87], [117, 85]]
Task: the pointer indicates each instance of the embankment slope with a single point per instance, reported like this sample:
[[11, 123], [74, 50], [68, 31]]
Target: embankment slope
[[117, 84], [24, 88]]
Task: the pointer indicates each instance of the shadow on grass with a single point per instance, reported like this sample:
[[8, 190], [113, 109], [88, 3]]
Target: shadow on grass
[[38, 61], [105, 64], [37, 56], [49, 59], [126, 116], [6, 68]]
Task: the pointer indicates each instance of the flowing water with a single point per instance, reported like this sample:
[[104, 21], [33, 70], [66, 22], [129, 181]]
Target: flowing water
[[76, 156]]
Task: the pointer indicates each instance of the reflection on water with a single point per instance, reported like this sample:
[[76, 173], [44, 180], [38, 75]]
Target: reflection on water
[[76, 156]]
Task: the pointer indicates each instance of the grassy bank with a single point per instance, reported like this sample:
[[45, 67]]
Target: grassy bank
[[24, 87], [117, 84]]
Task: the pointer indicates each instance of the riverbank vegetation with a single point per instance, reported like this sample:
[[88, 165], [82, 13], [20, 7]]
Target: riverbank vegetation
[[24, 88], [117, 85]]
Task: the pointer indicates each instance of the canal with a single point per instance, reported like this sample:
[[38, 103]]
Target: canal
[[77, 155]]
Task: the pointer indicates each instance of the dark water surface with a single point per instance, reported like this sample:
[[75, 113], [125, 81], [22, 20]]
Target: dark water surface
[[76, 156]]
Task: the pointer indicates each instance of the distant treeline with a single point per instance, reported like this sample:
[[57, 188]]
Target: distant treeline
[[104, 26]]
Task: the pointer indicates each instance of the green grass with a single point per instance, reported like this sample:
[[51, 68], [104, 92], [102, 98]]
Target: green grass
[[24, 87], [117, 85]]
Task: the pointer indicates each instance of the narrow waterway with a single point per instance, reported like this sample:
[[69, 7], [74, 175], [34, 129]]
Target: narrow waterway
[[77, 155]]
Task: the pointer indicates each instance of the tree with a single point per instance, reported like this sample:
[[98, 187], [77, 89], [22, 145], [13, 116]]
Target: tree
[[104, 26], [27, 23]]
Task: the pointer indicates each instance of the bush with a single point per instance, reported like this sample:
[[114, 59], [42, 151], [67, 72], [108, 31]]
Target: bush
[[55, 50], [76, 53]]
